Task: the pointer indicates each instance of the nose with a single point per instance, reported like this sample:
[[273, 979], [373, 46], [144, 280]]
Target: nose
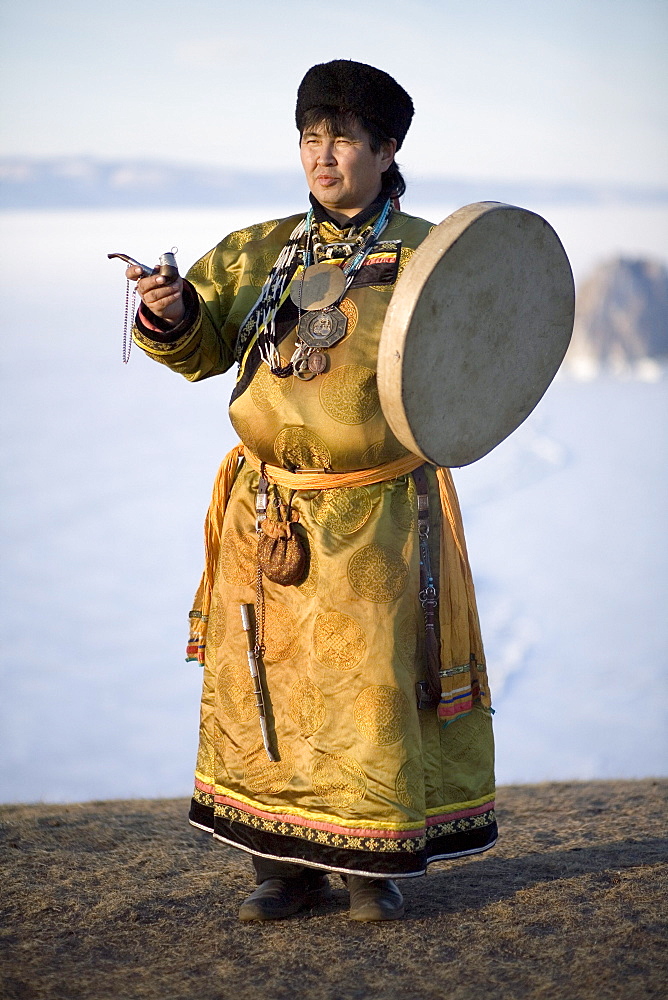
[[326, 154]]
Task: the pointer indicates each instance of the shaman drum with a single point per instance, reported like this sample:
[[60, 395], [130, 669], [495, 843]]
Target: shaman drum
[[476, 329]]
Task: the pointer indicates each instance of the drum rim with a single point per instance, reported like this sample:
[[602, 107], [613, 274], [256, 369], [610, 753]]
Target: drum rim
[[404, 302]]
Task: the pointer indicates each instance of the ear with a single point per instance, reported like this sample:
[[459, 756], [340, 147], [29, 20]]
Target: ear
[[387, 150]]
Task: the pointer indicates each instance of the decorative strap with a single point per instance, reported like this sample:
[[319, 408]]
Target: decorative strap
[[429, 690]]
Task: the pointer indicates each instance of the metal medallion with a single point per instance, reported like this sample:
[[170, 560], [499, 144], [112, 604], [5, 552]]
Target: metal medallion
[[302, 370], [322, 329], [319, 286], [317, 362]]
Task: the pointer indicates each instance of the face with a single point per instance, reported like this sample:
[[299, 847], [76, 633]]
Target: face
[[343, 172]]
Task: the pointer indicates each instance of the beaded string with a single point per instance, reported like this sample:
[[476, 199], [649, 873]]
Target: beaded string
[[365, 242], [130, 309], [262, 317]]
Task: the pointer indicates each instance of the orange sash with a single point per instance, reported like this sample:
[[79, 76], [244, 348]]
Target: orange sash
[[463, 675]]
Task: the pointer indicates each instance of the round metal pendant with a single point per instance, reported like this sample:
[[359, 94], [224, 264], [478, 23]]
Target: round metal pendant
[[317, 362], [322, 329], [318, 287], [302, 370]]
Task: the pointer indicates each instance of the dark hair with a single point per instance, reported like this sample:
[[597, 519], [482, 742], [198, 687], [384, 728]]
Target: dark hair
[[339, 121]]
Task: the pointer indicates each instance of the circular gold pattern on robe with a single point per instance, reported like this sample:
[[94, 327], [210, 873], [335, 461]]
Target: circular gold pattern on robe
[[381, 713], [281, 635], [406, 640], [338, 779], [264, 775], [404, 257], [219, 746], [410, 785], [199, 271], [382, 451], [310, 585], [349, 394], [238, 557], [267, 390], [403, 504], [246, 435], [261, 267], [307, 706], [301, 448], [235, 693], [339, 642], [342, 511], [215, 629], [378, 573], [399, 221], [205, 754], [464, 738], [226, 282], [243, 236], [349, 310], [454, 793]]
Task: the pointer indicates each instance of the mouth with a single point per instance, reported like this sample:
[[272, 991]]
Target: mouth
[[326, 180]]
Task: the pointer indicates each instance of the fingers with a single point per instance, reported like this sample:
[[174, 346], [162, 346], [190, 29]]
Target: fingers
[[161, 295], [132, 272]]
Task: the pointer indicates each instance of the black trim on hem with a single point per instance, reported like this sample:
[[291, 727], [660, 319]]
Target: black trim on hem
[[382, 863]]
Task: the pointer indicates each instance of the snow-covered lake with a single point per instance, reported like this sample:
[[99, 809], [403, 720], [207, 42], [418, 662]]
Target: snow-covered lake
[[108, 470]]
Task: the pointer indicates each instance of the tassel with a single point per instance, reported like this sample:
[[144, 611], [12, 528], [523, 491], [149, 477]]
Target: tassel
[[213, 529]]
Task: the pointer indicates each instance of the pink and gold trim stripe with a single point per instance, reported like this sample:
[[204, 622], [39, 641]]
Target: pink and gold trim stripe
[[331, 827]]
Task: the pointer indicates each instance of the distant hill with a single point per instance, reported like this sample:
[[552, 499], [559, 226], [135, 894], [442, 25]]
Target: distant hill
[[621, 320], [84, 182]]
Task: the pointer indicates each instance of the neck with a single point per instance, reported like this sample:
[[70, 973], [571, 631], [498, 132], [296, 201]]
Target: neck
[[347, 217]]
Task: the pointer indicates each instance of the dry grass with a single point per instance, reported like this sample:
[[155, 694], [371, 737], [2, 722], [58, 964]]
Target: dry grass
[[123, 901]]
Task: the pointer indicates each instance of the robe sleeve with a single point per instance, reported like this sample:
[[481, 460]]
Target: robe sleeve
[[201, 345]]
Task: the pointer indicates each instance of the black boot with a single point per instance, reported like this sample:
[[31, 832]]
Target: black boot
[[276, 897], [374, 898]]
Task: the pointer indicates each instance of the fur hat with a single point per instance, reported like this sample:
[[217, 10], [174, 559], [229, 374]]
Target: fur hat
[[374, 96]]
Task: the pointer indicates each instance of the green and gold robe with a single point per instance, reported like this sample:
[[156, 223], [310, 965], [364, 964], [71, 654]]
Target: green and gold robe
[[366, 783]]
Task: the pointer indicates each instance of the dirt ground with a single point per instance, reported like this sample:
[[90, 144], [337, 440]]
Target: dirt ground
[[124, 901]]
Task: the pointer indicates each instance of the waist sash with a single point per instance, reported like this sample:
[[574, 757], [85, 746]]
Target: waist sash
[[309, 480], [463, 677]]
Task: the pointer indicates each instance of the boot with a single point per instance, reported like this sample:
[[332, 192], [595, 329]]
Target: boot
[[374, 898], [276, 898]]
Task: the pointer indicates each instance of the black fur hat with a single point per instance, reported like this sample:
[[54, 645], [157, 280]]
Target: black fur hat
[[374, 96]]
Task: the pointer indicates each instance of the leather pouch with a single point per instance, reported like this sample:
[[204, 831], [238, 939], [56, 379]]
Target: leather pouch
[[281, 552]]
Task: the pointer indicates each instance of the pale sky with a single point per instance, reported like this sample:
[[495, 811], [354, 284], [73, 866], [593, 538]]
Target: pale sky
[[573, 90]]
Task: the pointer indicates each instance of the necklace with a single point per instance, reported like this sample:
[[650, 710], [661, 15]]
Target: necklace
[[317, 294], [261, 319]]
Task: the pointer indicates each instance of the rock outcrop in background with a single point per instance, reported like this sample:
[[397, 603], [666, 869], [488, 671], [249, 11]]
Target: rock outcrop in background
[[621, 321]]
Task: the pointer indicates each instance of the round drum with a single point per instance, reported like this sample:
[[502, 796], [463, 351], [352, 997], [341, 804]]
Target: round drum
[[476, 329]]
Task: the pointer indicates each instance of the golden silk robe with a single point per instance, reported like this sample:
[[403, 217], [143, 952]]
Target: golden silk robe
[[366, 783]]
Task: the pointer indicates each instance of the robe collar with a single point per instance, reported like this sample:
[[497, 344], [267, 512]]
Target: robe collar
[[357, 222]]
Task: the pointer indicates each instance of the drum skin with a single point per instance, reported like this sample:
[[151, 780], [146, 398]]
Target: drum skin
[[476, 330]]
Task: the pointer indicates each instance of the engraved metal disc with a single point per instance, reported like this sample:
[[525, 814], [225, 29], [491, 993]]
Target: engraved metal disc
[[317, 362], [302, 370], [322, 329], [319, 286]]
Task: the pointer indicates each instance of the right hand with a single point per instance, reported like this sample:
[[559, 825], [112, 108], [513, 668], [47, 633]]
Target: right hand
[[164, 300]]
